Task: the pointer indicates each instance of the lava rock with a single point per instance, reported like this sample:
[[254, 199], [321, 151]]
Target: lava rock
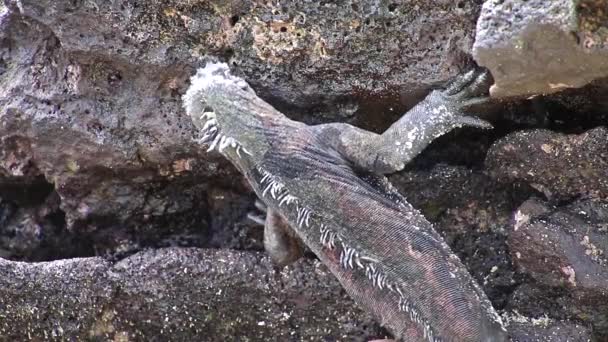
[[564, 251], [91, 94], [524, 329], [539, 47], [296, 52], [176, 294], [106, 151], [90, 113], [561, 166], [52, 301]]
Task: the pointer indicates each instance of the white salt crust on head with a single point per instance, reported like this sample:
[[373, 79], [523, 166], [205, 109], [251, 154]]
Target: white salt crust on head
[[212, 75]]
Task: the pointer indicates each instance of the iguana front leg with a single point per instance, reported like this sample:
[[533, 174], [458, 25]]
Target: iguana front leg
[[437, 114]]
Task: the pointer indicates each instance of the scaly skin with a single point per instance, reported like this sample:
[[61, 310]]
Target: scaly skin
[[326, 182]]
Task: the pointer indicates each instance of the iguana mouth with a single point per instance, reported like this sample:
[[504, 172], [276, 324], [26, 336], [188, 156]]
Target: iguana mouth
[[204, 86]]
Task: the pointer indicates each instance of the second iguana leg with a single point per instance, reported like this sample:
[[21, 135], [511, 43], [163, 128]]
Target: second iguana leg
[[280, 240], [437, 114]]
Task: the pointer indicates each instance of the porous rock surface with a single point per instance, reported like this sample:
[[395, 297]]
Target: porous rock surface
[[558, 246], [565, 252], [98, 161], [93, 134], [545, 330], [559, 165], [91, 92], [176, 294], [543, 47]]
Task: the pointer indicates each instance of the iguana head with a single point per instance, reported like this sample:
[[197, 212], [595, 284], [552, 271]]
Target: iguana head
[[227, 110]]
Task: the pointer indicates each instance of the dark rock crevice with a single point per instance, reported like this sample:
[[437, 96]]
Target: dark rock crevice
[[97, 159]]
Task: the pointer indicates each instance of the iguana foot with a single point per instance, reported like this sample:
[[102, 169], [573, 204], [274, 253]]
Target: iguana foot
[[258, 216], [474, 83], [450, 104]]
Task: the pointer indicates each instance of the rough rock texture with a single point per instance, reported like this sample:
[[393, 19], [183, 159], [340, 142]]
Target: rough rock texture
[[561, 166], [90, 94], [25, 230], [559, 247], [109, 147], [97, 158], [545, 330], [374, 45], [565, 252], [537, 46], [176, 294]]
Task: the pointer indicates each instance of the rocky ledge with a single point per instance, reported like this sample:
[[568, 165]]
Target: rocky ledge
[[115, 224]]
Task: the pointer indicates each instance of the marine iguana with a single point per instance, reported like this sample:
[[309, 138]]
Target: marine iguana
[[326, 181]]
